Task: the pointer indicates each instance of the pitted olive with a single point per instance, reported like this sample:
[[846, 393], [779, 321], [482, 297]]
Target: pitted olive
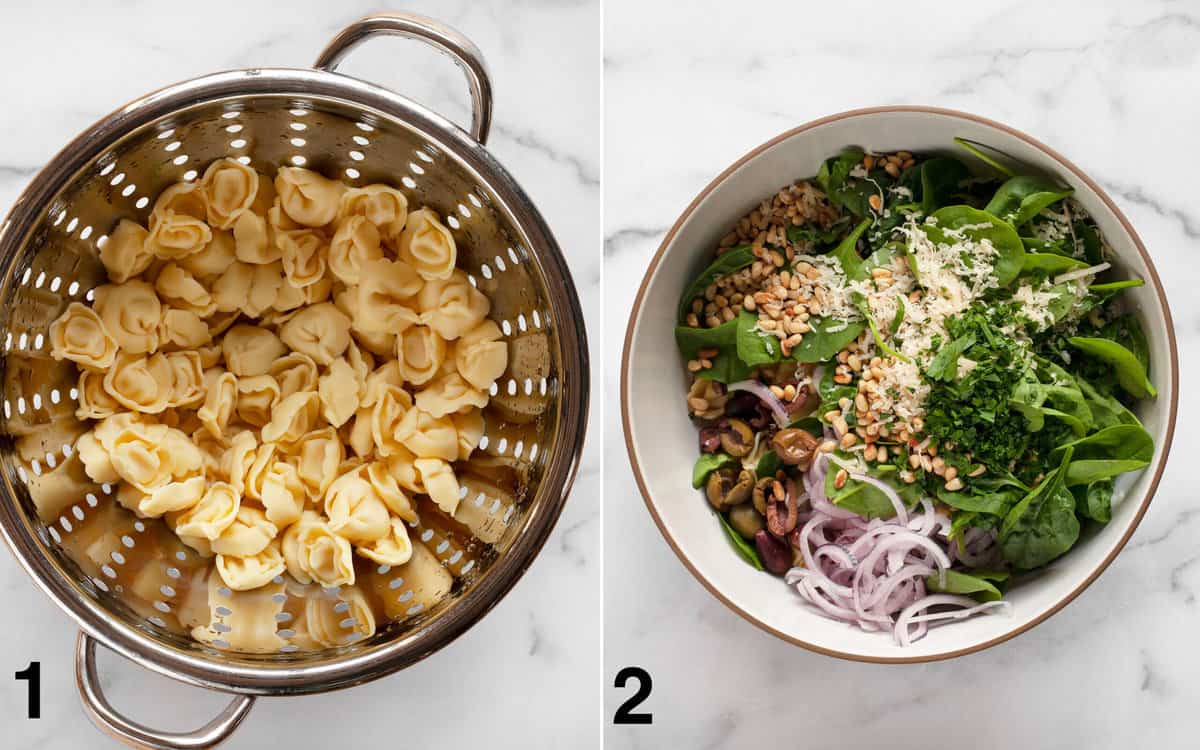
[[737, 439]]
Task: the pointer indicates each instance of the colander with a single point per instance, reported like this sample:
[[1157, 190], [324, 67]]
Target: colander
[[128, 582]]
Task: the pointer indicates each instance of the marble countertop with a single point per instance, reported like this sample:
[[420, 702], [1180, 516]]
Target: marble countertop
[[686, 94], [65, 64]]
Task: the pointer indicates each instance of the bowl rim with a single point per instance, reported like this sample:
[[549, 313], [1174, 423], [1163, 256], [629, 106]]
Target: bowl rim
[[1155, 283]]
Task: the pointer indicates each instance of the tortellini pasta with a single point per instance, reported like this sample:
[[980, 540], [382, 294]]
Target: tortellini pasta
[[428, 246], [452, 306], [80, 336], [320, 331], [280, 370], [125, 253]]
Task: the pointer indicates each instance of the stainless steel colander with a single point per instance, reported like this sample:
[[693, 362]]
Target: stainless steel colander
[[127, 581]]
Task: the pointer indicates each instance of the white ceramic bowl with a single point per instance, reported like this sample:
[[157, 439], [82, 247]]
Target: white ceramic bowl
[[662, 440]]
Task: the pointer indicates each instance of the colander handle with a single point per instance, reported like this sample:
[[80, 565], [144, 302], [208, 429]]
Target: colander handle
[[136, 735], [410, 25]]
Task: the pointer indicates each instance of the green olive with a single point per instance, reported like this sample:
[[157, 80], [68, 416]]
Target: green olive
[[745, 520], [737, 439]]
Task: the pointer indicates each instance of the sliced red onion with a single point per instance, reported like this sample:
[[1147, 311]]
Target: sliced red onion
[[778, 410], [912, 613]]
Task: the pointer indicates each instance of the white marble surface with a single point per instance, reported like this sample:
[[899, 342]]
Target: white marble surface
[[687, 93], [528, 674]]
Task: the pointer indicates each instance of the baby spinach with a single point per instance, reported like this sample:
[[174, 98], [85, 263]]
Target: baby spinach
[[1094, 500], [978, 225], [977, 150], [1021, 198], [755, 347], [1043, 525], [847, 252], [744, 549], [940, 178], [978, 584], [1107, 453], [833, 176], [864, 499], [827, 337], [1049, 391], [1116, 286], [1130, 373], [726, 368], [1050, 264], [993, 496], [706, 464], [1106, 409], [1127, 331], [1087, 234], [767, 465], [818, 237], [730, 261]]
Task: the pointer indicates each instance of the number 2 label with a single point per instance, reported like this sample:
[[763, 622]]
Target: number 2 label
[[625, 713]]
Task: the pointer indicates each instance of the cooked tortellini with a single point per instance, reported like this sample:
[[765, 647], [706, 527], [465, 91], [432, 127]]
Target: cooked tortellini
[[280, 371], [80, 336], [428, 246]]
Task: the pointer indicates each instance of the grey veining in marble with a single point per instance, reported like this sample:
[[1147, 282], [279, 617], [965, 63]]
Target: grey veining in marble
[[1109, 85], [519, 678]]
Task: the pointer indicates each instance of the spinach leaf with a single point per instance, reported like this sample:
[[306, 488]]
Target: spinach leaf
[[1047, 390], [1131, 374], [833, 175], [730, 261], [978, 225], [810, 424], [940, 178], [1019, 199], [827, 337], [1087, 233], [727, 368], [767, 465], [1043, 525], [1094, 500], [976, 150], [744, 549], [706, 464], [1127, 331], [755, 347], [944, 365], [1049, 263], [816, 236], [974, 584], [847, 253], [1106, 409], [992, 496], [1047, 247], [1107, 453], [864, 499]]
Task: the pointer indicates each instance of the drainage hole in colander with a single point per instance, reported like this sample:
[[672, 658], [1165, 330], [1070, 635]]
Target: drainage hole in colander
[[100, 584], [181, 556], [166, 134], [234, 128], [127, 541], [243, 159], [426, 535], [334, 591], [180, 160], [156, 620], [106, 488], [473, 281], [237, 143], [298, 160], [298, 142], [77, 512], [453, 221], [493, 389], [128, 191], [279, 598], [223, 611], [297, 126], [415, 168], [21, 399], [90, 295], [455, 557], [192, 174], [54, 534], [533, 451], [543, 386], [117, 557], [138, 526], [231, 114], [142, 202], [51, 460], [55, 397], [364, 127], [173, 573], [299, 112], [486, 270], [117, 180], [221, 643], [57, 280], [99, 243], [395, 583], [25, 277], [91, 499], [483, 441], [283, 616], [73, 289], [408, 182], [38, 340], [361, 140], [41, 278], [518, 449], [502, 446], [405, 596], [286, 633], [415, 609], [466, 568], [108, 168], [353, 173], [500, 264], [221, 627], [357, 155], [173, 146], [423, 157], [521, 324], [226, 592], [441, 548], [67, 527], [37, 404]]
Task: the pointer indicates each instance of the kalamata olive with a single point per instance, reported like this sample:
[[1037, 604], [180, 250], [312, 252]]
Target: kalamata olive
[[795, 447], [710, 439], [776, 555], [738, 438], [782, 511], [727, 488], [761, 488], [745, 520], [742, 404]]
